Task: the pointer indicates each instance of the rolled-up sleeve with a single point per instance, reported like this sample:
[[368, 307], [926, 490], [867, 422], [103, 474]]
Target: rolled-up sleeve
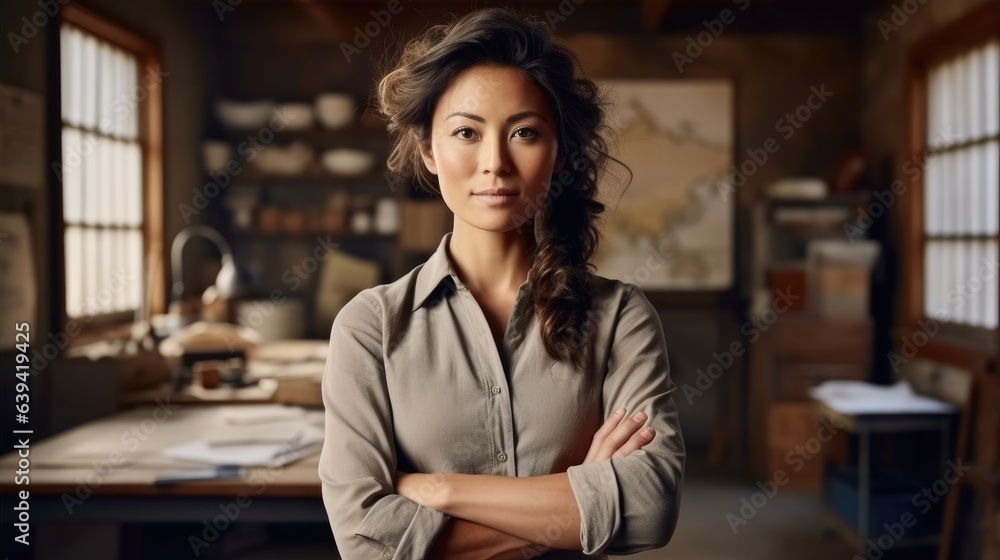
[[630, 504], [357, 465]]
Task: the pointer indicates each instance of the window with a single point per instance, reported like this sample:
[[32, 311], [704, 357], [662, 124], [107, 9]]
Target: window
[[954, 216], [111, 191], [962, 187]]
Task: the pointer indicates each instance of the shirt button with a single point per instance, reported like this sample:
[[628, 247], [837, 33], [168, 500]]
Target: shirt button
[[501, 456], [495, 390]]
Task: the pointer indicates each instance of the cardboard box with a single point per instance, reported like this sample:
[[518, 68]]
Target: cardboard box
[[838, 277]]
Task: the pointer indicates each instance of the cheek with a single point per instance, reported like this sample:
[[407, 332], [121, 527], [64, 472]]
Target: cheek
[[537, 166], [453, 162]]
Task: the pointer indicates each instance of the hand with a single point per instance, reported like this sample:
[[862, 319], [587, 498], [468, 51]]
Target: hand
[[618, 437]]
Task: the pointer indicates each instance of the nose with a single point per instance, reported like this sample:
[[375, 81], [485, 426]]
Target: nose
[[496, 158]]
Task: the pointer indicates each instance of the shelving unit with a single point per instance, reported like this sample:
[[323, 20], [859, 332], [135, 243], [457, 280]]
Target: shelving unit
[[798, 349], [300, 200]]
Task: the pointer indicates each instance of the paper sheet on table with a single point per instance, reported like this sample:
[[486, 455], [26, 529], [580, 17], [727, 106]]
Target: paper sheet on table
[[858, 397], [307, 440], [264, 414]]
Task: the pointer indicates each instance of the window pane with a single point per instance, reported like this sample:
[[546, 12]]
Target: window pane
[[73, 67], [960, 88], [947, 199], [119, 86], [134, 261], [74, 271], [975, 93], [91, 177], [991, 82], [128, 109], [132, 174], [102, 292], [88, 82], [991, 186], [105, 91], [72, 179], [991, 289], [963, 201], [952, 120], [105, 180], [961, 281], [119, 286], [91, 262], [66, 72]]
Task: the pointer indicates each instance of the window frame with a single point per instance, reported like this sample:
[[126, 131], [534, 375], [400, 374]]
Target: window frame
[[967, 347], [150, 139]]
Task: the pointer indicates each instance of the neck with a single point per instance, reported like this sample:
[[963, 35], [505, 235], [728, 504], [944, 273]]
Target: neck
[[491, 263]]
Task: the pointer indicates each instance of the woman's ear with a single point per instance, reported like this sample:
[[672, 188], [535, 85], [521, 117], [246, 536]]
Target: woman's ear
[[428, 156]]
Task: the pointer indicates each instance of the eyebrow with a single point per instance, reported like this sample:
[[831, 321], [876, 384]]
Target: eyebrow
[[513, 118]]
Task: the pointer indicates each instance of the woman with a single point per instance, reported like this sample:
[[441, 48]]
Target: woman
[[468, 404]]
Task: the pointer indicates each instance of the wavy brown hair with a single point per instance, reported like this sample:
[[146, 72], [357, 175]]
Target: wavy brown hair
[[566, 225]]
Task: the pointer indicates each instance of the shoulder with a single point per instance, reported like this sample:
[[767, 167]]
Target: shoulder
[[618, 295], [625, 303]]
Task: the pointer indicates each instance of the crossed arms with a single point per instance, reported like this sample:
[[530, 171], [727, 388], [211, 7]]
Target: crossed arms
[[515, 517]]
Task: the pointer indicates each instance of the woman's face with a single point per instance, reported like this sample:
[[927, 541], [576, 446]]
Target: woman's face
[[492, 131]]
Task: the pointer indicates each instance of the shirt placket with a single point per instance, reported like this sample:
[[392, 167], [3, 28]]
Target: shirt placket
[[495, 379]]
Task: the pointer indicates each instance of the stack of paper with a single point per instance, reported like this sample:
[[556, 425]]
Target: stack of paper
[[858, 397], [256, 436]]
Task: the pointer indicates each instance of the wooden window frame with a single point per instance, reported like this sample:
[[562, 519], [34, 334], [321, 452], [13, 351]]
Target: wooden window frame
[[150, 139], [971, 348]]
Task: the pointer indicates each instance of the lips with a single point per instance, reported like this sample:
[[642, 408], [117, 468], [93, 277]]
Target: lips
[[495, 192]]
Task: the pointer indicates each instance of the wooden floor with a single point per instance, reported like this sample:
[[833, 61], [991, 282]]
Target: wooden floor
[[788, 527]]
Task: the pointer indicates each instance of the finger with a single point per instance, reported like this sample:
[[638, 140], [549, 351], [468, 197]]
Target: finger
[[622, 433], [634, 443], [605, 430]]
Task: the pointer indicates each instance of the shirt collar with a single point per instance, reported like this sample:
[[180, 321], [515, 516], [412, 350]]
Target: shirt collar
[[437, 268]]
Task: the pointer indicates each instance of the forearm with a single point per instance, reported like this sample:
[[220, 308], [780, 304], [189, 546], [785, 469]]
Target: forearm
[[539, 509], [467, 540]]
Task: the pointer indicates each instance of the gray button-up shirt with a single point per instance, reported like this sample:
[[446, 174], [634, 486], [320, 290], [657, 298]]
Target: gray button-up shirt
[[414, 381]]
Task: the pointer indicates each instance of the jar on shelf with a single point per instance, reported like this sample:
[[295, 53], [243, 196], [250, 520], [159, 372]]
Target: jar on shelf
[[386, 216]]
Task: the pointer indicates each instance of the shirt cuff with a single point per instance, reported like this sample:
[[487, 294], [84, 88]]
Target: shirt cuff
[[402, 528], [595, 487]]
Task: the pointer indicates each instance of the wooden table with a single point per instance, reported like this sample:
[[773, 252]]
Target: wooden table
[[103, 471]]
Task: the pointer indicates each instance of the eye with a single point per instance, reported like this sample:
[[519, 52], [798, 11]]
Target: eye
[[465, 133], [530, 132]]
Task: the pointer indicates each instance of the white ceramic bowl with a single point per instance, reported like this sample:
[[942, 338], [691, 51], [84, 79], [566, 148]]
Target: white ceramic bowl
[[294, 116], [239, 114], [335, 110], [291, 160], [216, 154], [347, 161]]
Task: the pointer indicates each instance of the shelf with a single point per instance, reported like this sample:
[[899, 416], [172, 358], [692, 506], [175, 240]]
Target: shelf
[[314, 174], [317, 137], [852, 198], [305, 236]]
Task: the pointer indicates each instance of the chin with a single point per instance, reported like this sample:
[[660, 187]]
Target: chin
[[499, 222]]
